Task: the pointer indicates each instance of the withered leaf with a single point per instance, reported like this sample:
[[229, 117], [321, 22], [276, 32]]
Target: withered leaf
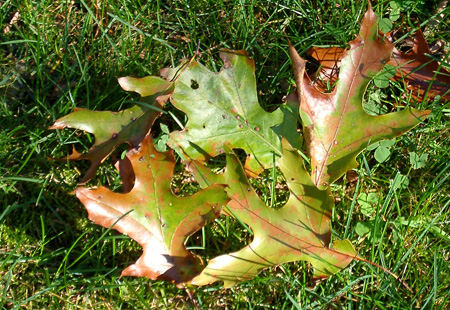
[[420, 73], [329, 63]]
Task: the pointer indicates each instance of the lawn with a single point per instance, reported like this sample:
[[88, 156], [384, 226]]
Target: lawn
[[59, 55]]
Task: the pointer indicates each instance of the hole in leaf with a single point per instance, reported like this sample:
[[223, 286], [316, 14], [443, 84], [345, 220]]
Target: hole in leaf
[[218, 163], [183, 183], [224, 235], [194, 84], [323, 78], [271, 188]]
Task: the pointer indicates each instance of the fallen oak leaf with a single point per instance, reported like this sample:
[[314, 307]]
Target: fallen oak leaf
[[223, 110], [336, 127], [111, 129], [157, 219], [420, 73], [297, 231], [329, 59]]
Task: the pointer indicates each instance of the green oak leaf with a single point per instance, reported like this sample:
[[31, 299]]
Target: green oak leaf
[[111, 129], [298, 231], [336, 127], [154, 217], [223, 109]]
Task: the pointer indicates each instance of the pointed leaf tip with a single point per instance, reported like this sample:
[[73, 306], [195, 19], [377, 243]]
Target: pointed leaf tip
[[112, 129], [298, 67], [146, 86]]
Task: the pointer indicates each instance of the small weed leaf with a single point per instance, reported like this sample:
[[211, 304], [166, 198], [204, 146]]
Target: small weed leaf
[[374, 105], [382, 150], [382, 154], [366, 229], [395, 12], [163, 138], [363, 228], [368, 203], [417, 161], [382, 79], [399, 182], [385, 25]]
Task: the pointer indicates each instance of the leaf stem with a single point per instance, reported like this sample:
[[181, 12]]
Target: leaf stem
[[385, 270], [190, 293]]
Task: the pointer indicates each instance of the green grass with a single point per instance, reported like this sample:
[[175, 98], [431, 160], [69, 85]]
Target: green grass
[[62, 55]]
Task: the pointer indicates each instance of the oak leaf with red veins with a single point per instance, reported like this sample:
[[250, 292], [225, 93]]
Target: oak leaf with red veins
[[336, 127], [154, 217], [298, 231]]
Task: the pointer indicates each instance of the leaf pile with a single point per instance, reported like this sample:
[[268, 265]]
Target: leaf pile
[[224, 115]]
